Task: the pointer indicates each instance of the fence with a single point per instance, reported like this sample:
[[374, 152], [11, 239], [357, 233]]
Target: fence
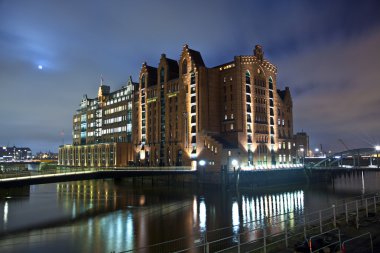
[[320, 224], [60, 170]]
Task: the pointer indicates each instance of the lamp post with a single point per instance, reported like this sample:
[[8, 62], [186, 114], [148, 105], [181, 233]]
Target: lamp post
[[377, 148], [235, 163], [202, 163], [303, 156]]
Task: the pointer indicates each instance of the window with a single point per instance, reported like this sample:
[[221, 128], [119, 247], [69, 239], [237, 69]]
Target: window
[[270, 83], [162, 75], [247, 89], [247, 77], [232, 126]]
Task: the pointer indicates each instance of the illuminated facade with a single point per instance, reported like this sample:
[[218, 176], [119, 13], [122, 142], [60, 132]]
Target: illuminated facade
[[185, 112], [182, 112], [15, 153], [102, 130]]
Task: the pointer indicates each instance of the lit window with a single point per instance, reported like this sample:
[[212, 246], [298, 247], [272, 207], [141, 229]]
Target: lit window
[[232, 127], [225, 117], [289, 145], [232, 116], [279, 145]]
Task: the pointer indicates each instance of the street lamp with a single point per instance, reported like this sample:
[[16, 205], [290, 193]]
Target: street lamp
[[377, 148], [202, 162], [234, 163], [303, 155]]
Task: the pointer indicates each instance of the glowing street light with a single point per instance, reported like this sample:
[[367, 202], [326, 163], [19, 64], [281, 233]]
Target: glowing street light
[[202, 162], [235, 164], [303, 155], [377, 148]]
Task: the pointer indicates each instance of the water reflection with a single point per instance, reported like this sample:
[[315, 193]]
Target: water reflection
[[5, 219], [104, 215], [202, 215]]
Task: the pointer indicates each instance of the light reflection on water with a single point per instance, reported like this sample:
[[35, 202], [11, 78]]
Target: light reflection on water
[[104, 216]]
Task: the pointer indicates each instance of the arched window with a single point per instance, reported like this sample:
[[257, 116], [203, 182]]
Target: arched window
[[184, 66], [270, 83], [162, 75], [247, 77]]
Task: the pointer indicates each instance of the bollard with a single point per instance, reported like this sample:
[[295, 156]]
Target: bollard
[[345, 207], [334, 216], [366, 207], [320, 221], [207, 247], [239, 243]]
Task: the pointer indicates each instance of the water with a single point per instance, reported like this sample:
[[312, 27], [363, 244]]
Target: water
[[107, 215]]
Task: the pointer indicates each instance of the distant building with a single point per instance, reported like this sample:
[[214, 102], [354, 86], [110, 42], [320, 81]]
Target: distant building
[[182, 112], [46, 156], [301, 141], [15, 153], [102, 130]]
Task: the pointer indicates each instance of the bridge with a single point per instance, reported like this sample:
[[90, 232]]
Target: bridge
[[353, 158], [61, 174]]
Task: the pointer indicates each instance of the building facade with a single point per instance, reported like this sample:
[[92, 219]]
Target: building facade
[[102, 130], [181, 112], [185, 112], [15, 153], [301, 141]]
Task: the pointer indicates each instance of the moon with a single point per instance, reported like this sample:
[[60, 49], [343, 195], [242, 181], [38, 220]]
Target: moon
[[40, 67]]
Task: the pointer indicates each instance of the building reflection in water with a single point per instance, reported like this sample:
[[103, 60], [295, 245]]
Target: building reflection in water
[[269, 210], [5, 218], [202, 215]]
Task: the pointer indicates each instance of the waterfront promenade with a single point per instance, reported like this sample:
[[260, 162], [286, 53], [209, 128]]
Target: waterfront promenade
[[62, 174]]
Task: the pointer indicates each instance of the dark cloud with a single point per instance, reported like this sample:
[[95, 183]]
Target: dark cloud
[[326, 52]]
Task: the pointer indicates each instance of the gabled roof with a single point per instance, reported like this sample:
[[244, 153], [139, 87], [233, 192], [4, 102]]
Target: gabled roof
[[196, 57], [284, 94], [173, 68], [152, 73]]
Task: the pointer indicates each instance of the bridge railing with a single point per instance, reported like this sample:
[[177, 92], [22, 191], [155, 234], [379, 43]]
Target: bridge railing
[[61, 170]]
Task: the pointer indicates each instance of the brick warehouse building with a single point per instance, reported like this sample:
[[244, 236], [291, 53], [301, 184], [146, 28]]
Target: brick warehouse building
[[184, 112]]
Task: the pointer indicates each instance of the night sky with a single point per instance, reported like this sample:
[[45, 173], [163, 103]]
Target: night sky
[[54, 52]]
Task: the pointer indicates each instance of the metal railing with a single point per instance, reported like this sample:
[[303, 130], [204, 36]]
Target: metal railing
[[24, 174], [362, 247], [263, 239]]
